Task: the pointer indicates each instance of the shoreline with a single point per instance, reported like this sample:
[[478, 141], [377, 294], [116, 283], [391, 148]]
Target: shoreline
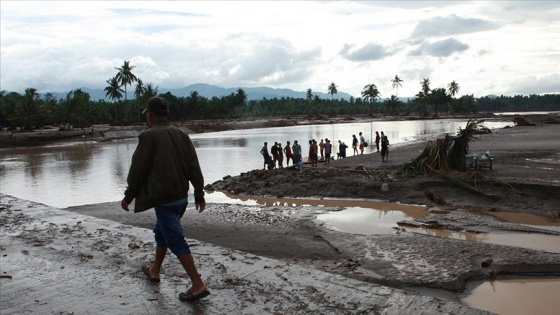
[[103, 133]]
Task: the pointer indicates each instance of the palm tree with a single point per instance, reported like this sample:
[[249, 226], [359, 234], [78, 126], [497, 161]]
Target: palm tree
[[140, 89], [392, 104], [125, 76], [73, 108], [150, 91], [309, 97], [113, 91], [239, 101], [453, 88], [241, 97], [396, 83], [370, 93], [425, 86], [332, 90], [421, 100], [29, 112], [317, 103]]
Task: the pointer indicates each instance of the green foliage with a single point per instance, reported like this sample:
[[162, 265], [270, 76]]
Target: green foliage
[[29, 111]]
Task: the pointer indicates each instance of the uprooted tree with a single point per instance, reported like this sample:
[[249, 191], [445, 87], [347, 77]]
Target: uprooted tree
[[446, 154], [445, 157]]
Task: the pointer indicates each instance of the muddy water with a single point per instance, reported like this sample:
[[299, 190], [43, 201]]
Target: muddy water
[[517, 296], [88, 172], [359, 216], [549, 243], [528, 219]]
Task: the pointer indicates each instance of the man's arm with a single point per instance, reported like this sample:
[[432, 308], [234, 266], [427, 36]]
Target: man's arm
[[195, 176], [139, 169]]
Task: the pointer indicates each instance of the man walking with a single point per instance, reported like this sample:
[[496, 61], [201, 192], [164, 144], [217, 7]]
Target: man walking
[[163, 164]]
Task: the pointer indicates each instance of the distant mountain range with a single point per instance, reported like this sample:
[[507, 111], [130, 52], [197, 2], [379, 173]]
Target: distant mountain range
[[209, 91]]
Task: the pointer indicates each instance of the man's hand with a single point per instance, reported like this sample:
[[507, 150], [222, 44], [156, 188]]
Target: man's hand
[[200, 206], [124, 205]]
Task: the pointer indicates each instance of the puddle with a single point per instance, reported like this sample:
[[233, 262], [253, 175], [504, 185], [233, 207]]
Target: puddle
[[377, 217], [356, 216], [516, 296], [366, 221], [550, 243], [416, 212], [528, 219]]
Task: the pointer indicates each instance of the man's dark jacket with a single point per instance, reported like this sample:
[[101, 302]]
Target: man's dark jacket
[[163, 164]]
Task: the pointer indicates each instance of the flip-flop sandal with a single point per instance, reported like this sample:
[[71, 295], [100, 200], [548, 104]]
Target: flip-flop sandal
[[189, 297], [146, 271]]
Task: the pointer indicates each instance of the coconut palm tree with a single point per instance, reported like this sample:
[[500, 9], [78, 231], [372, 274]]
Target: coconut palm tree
[[370, 93], [140, 89], [150, 91], [439, 99], [332, 90], [125, 76], [425, 86], [396, 83], [392, 104], [453, 88], [73, 108], [241, 97], [309, 97], [114, 92], [316, 103], [29, 112], [425, 90]]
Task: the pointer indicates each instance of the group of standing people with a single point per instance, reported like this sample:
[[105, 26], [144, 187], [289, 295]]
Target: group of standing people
[[275, 158], [361, 144], [277, 152]]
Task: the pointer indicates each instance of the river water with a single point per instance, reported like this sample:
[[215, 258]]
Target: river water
[[80, 173]]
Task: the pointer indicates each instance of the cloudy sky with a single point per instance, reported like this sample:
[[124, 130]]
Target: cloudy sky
[[488, 47]]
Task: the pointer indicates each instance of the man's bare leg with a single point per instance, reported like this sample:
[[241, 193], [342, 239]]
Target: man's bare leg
[[155, 268], [198, 286]]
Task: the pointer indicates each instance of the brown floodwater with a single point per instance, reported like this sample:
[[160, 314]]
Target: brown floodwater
[[528, 219], [354, 216], [550, 243], [517, 296], [81, 173]]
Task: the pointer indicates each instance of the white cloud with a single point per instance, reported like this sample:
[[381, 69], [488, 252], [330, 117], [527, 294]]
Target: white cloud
[[451, 25], [442, 48], [62, 45]]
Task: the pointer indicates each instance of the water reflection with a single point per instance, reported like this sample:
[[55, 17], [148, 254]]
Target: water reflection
[[517, 296], [89, 173], [362, 221], [550, 243]]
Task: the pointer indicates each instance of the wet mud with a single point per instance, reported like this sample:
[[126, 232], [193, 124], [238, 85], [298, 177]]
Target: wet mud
[[62, 262]]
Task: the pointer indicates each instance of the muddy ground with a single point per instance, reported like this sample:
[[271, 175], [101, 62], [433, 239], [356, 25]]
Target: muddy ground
[[524, 179]]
